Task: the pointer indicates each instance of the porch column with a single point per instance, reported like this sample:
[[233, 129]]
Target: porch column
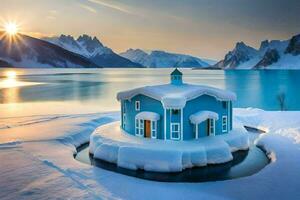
[[197, 134]]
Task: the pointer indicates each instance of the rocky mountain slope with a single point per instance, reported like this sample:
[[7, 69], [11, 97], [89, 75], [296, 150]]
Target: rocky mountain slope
[[162, 59], [93, 49], [274, 54], [25, 51]]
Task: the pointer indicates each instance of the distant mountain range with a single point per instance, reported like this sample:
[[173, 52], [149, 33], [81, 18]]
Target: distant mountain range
[[162, 59], [89, 52], [83, 52], [25, 51], [274, 54], [92, 49]]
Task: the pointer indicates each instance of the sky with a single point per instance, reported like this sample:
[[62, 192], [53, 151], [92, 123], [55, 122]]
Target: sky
[[204, 28]]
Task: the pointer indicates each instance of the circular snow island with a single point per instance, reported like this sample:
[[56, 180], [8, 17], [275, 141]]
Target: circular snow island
[[111, 144], [171, 127]]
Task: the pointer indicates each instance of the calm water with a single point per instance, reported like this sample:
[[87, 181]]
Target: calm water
[[54, 91]]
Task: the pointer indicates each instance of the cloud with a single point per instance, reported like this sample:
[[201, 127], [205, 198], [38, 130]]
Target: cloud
[[88, 8], [52, 14], [111, 6], [50, 17]]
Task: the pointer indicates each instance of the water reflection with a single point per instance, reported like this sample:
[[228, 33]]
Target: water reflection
[[99, 86], [9, 80], [10, 95], [261, 89]]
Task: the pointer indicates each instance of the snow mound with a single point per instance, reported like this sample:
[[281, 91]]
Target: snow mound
[[175, 97], [111, 144]]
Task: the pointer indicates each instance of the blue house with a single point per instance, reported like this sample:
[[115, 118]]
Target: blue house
[[176, 111]]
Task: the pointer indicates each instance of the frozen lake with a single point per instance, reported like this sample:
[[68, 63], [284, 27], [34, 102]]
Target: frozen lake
[[26, 92]]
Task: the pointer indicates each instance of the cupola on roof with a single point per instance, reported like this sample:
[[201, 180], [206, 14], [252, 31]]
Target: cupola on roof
[[176, 72]]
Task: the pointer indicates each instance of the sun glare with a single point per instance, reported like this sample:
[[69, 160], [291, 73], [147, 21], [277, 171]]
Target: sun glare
[[11, 74], [11, 28], [10, 80]]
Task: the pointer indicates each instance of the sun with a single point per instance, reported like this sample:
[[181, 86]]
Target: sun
[[11, 74], [11, 28]]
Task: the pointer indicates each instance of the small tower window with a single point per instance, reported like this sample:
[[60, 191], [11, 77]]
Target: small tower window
[[137, 105]]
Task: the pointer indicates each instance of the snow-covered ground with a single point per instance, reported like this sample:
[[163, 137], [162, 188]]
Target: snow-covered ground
[[111, 144], [36, 155]]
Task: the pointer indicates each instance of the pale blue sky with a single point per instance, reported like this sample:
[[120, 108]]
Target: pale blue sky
[[206, 28]]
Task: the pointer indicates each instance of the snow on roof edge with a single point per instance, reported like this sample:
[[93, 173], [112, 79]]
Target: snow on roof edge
[[148, 116], [201, 116], [187, 92]]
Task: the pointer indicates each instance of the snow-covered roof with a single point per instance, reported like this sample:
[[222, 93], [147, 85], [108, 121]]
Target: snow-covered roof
[[148, 116], [176, 96], [201, 116]]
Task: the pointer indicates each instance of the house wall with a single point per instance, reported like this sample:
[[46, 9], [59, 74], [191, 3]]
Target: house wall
[[171, 118], [146, 104], [204, 102], [202, 129]]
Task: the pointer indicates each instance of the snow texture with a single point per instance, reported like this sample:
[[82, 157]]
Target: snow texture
[[201, 116], [148, 116], [111, 144], [175, 97], [36, 154]]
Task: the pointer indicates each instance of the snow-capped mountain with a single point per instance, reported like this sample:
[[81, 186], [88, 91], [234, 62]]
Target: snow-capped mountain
[[274, 54], [84, 45], [25, 51], [162, 59], [294, 46], [93, 49], [241, 54]]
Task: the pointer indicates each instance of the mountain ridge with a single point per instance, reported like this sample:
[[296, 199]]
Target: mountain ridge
[[93, 49], [25, 51], [272, 54], [163, 59]]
